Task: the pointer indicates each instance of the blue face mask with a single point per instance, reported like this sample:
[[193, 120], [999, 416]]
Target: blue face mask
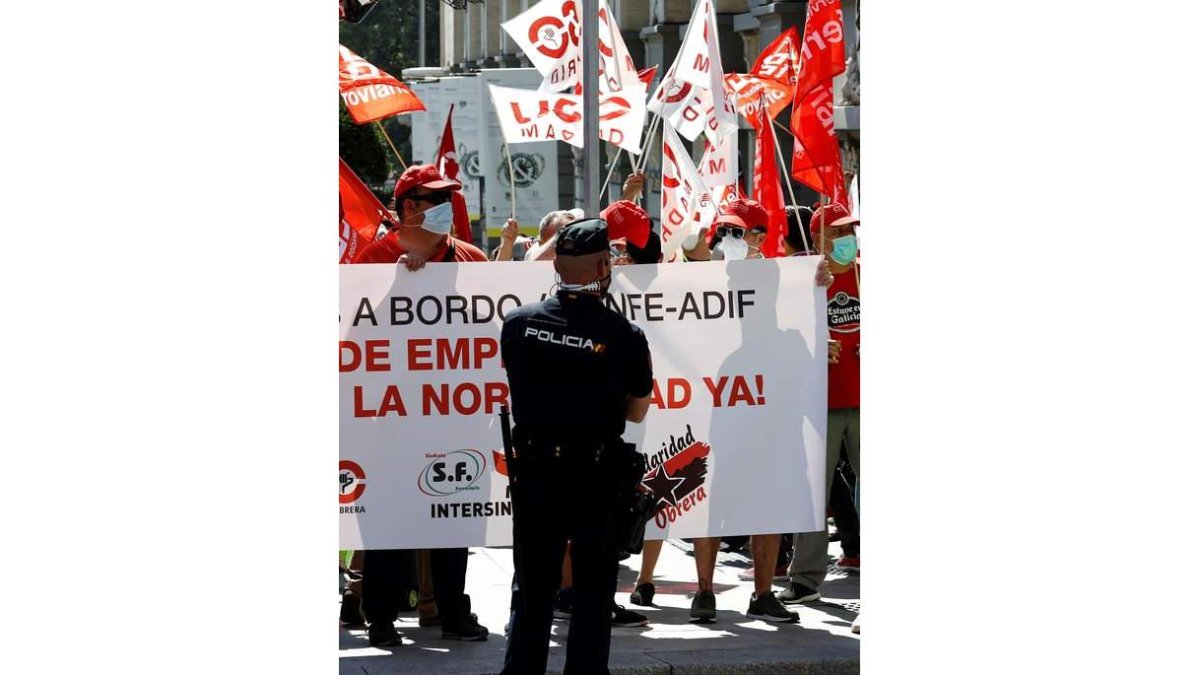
[[844, 249], [439, 219]]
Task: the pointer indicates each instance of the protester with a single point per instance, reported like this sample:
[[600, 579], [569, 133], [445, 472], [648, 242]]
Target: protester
[[547, 229], [426, 220], [833, 232], [604, 389], [509, 236], [422, 197]]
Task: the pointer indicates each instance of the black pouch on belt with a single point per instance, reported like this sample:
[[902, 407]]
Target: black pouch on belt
[[634, 504]]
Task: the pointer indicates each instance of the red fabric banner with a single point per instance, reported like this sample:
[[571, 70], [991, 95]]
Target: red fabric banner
[[772, 79], [371, 94], [767, 189], [447, 163], [361, 209], [816, 158]]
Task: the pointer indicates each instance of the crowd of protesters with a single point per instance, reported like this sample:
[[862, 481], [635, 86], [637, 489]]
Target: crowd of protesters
[[426, 209]]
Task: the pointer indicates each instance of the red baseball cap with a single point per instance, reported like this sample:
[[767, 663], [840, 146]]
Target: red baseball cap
[[750, 211], [830, 215], [426, 176], [627, 220]]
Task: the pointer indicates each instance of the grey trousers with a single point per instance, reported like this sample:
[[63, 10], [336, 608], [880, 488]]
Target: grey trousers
[[809, 549]]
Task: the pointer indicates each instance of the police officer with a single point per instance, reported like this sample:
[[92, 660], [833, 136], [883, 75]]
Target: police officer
[[577, 371]]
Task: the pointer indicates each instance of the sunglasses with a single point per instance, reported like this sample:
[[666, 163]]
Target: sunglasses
[[735, 232], [434, 198]]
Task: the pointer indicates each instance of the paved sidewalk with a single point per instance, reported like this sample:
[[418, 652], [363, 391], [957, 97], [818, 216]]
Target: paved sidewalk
[[821, 643]]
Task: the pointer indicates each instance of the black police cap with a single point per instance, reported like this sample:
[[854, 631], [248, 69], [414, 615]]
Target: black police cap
[[582, 237]]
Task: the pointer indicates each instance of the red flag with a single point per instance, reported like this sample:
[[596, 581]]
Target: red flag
[[361, 210], [816, 158], [349, 242], [772, 79], [767, 189], [780, 60], [447, 158], [447, 164], [647, 75], [371, 94]]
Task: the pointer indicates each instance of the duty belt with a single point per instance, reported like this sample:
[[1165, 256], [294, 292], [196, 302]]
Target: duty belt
[[571, 451]]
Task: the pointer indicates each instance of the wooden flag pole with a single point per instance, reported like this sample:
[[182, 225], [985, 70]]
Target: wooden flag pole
[[389, 142]]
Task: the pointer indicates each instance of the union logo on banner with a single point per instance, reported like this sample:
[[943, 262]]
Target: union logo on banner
[[352, 482], [677, 476]]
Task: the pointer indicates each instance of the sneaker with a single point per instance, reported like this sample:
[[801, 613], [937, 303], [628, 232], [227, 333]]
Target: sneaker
[[847, 563], [768, 608], [626, 619], [643, 595], [383, 635], [704, 605], [854, 626], [780, 574], [469, 631], [797, 593], [563, 602]]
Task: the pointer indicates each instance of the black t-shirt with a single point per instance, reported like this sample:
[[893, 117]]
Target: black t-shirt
[[571, 364]]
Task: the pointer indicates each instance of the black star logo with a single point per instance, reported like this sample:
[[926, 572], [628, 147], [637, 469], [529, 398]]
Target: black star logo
[[663, 485]]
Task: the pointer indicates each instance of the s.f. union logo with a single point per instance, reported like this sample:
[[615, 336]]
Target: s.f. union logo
[[352, 481], [452, 472]]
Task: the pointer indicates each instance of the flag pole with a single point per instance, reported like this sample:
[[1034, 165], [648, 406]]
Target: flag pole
[[389, 142], [787, 177], [512, 181], [644, 158], [611, 168], [785, 129]]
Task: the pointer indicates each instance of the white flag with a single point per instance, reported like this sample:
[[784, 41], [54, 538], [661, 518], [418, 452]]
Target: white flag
[[687, 204], [549, 34], [691, 96], [719, 165], [528, 116]]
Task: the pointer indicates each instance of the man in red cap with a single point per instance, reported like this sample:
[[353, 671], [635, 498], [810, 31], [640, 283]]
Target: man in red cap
[[423, 205], [426, 214], [736, 231], [832, 229]]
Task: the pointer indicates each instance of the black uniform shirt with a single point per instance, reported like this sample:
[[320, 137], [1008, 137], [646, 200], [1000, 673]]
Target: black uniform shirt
[[571, 364]]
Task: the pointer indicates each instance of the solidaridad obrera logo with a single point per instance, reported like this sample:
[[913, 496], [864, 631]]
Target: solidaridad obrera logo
[[452, 473], [352, 482]]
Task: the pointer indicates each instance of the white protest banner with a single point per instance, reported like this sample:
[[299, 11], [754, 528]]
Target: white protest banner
[[528, 116], [734, 436], [691, 97], [687, 204]]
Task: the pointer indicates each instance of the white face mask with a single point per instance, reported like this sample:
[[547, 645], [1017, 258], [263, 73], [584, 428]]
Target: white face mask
[[439, 219], [732, 249]]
